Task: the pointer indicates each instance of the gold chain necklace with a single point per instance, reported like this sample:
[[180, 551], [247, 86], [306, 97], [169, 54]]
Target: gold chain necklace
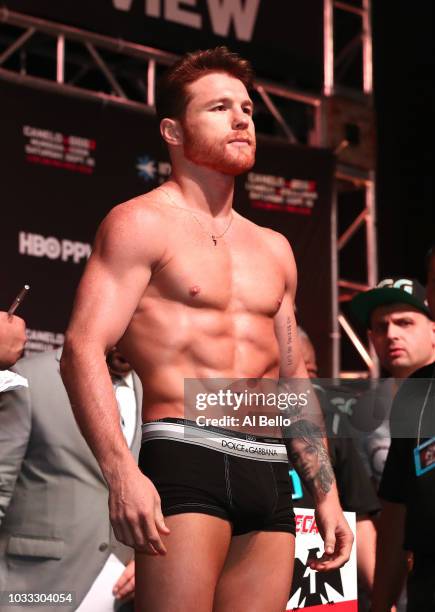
[[214, 237]]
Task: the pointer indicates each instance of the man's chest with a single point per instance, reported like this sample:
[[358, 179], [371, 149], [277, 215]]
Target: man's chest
[[234, 277]]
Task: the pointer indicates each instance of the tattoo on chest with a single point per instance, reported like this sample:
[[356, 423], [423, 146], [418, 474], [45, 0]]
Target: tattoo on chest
[[289, 342]]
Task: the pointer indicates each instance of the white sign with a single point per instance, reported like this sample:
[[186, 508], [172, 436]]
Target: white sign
[[222, 14], [36, 245], [335, 591]]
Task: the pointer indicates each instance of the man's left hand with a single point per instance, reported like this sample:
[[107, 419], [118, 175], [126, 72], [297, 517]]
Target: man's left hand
[[337, 537], [124, 587]]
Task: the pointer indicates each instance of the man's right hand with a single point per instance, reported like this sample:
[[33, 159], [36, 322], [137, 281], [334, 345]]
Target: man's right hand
[[136, 513], [12, 339]]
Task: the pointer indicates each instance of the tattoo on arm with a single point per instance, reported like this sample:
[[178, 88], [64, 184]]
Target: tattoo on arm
[[303, 438], [325, 476], [289, 342], [309, 456]]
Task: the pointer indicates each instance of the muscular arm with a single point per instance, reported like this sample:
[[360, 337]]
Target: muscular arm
[[294, 378], [109, 292], [126, 248], [331, 522]]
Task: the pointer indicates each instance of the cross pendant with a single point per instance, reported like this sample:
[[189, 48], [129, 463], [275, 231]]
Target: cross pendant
[[213, 237]]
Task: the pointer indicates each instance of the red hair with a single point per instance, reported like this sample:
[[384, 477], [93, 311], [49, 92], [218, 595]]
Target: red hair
[[172, 96]]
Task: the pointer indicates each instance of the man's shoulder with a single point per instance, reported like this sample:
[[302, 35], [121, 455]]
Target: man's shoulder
[[134, 228], [144, 209], [427, 371], [274, 239], [413, 394], [417, 381]]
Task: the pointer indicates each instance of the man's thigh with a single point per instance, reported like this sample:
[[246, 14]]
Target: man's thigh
[[186, 577], [257, 573]]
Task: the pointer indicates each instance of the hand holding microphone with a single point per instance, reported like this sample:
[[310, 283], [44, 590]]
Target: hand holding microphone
[[12, 333]]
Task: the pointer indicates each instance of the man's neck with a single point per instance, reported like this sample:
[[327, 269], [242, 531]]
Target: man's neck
[[406, 372], [204, 190]]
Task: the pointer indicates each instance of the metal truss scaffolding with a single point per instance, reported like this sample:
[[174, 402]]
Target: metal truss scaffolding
[[348, 79], [84, 64]]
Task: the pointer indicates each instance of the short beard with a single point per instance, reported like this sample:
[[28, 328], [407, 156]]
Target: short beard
[[215, 156]]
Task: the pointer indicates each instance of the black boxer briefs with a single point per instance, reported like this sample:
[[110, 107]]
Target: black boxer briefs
[[239, 484]]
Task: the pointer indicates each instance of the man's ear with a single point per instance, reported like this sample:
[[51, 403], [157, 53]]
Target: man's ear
[[171, 131], [432, 325]]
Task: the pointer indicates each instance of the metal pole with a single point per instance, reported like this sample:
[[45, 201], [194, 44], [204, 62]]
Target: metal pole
[[60, 59], [328, 47], [16, 45], [105, 70], [289, 92], [352, 229], [151, 82], [372, 254], [372, 267], [99, 40], [348, 7], [335, 327], [356, 342], [71, 90], [137, 51], [316, 136], [367, 48], [275, 112], [346, 284]]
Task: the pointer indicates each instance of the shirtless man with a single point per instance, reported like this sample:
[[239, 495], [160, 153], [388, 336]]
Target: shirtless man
[[187, 288]]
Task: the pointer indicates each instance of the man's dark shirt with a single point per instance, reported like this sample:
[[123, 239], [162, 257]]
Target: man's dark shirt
[[400, 483]]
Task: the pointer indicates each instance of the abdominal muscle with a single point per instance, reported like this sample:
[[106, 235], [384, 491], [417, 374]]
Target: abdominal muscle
[[172, 342]]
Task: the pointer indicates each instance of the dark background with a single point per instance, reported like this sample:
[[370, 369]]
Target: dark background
[[404, 94], [404, 97], [287, 40], [56, 202]]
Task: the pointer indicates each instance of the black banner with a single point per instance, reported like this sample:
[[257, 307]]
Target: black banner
[[67, 162], [290, 191], [283, 39]]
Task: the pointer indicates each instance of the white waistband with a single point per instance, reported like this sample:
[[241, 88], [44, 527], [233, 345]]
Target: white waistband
[[232, 445]]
